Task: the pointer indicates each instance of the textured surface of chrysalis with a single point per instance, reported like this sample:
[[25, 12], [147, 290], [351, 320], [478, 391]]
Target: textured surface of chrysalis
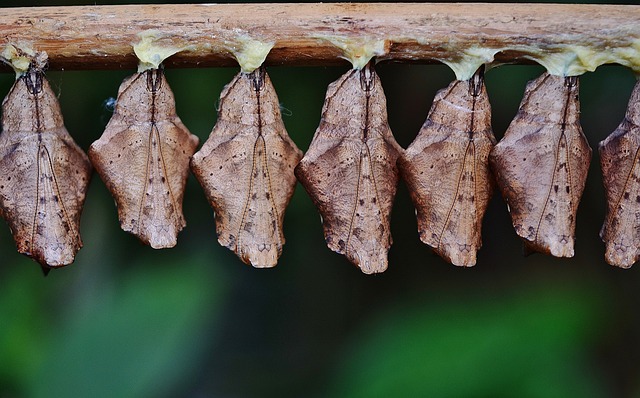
[[143, 158], [541, 165], [246, 169], [446, 169], [43, 173], [350, 170], [620, 160]]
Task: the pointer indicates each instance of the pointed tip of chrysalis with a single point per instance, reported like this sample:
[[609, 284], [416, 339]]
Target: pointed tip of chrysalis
[[620, 255], [257, 255], [461, 259], [45, 270], [371, 263], [549, 248], [560, 250]]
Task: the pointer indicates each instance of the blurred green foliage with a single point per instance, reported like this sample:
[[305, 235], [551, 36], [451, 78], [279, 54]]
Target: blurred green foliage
[[127, 321], [529, 346]]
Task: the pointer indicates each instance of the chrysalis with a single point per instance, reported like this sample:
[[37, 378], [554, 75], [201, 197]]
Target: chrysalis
[[143, 158], [350, 170], [620, 160], [447, 170], [541, 165], [246, 169], [43, 173]]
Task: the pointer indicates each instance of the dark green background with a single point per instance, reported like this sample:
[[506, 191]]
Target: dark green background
[[128, 321]]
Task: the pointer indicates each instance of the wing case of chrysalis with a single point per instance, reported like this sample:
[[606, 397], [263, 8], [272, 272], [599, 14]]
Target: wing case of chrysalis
[[350, 170], [541, 165], [43, 173], [143, 158], [446, 169], [246, 169], [620, 161]]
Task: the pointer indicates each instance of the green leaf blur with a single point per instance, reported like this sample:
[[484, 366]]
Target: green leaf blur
[[529, 346]]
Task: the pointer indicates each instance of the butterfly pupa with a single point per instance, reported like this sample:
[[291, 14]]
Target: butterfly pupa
[[44, 174], [446, 169], [541, 165], [620, 161], [350, 170], [143, 159], [246, 169]]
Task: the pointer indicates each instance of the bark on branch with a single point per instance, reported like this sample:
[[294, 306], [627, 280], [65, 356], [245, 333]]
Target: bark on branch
[[101, 37]]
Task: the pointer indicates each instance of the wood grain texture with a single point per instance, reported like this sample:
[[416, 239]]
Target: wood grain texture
[[350, 170], [143, 158], [541, 165], [43, 174], [84, 37], [620, 162], [246, 168], [446, 169]]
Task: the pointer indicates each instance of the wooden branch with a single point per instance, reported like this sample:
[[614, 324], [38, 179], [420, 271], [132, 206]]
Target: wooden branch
[[90, 37]]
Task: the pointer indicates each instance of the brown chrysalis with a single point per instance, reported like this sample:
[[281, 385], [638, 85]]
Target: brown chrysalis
[[620, 160], [43, 173], [246, 169], [447, 170], [350, 170], [143, 158], [541, 165]]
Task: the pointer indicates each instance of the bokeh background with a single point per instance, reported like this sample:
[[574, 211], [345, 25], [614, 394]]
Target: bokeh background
[[128, 321]]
